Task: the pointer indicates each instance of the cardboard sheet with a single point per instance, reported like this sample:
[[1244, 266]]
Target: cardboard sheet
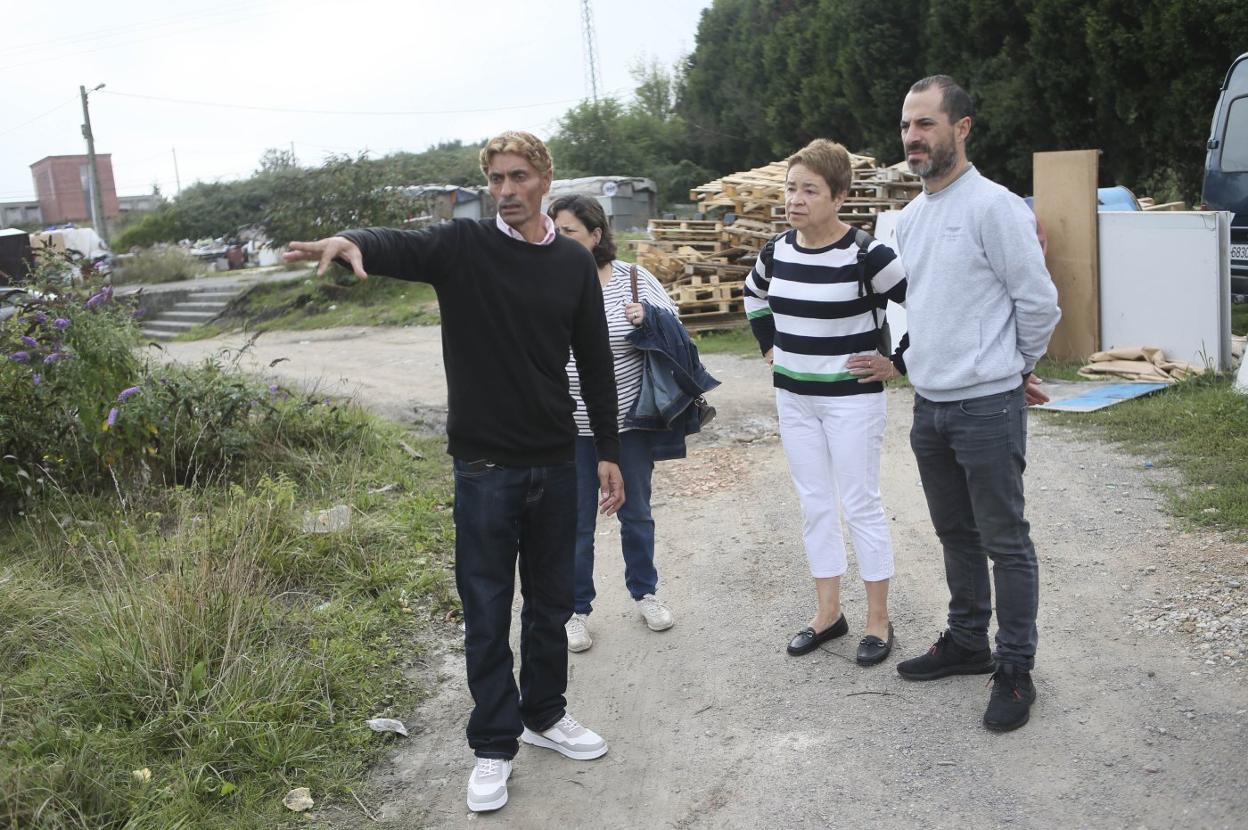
[[1089, 397], [1065, 188]]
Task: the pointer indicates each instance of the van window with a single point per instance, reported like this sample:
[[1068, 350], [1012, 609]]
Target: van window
[[1235, 144]]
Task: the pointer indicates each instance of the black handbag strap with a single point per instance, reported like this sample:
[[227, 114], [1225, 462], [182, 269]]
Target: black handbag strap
[[865, 289]]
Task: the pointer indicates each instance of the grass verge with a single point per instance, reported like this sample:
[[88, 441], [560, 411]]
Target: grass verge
[[1200, 427], [187, 658], [315, 303]]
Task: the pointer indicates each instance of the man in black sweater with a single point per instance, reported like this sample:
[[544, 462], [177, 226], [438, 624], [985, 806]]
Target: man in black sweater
[[514, 297]]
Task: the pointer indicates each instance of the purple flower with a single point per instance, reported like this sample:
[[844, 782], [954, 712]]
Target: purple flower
[[112, 417], [38, 318], [60, 323], [30, 341], [20, 357], [103, 297], [36, 379], [274, 389], [125, 393], [52, 358], [138, 313]]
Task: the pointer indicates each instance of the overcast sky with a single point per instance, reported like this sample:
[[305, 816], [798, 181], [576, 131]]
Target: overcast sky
[[440, 69]]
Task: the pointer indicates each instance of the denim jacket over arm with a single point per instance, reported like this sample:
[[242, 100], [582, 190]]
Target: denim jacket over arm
[[673, 377]]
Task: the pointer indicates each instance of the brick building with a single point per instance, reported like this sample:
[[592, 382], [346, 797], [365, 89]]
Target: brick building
[[62, 183]]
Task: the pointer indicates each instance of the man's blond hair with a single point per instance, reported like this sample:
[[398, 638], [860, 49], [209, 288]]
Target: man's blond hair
[[829, 160], [522, 144]]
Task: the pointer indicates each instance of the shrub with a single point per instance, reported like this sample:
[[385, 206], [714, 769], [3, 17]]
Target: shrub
[[161, 225], [61, 362], [164, 263], [80, 412]]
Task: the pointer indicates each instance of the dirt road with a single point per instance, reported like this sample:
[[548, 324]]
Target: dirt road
[[1139, 723]]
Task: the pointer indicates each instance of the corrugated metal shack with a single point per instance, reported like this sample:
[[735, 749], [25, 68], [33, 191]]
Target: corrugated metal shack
[[441, 202], [629, 201]]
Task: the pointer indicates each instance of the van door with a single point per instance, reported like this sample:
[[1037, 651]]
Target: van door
[[1226, 166]]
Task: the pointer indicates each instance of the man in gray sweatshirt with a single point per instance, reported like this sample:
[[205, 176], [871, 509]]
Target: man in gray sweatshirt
[[980, 309]]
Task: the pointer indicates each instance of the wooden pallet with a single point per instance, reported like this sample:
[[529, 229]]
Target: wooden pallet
[[684, 224], [706, 277], [682, 246], [695, 310], [712, 273], [690, 295], [714, 321]]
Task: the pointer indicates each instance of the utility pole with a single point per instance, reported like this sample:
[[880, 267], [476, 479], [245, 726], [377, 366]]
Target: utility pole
[[177, 180], [96, 199]]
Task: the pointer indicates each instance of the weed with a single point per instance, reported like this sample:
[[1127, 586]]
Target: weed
[[162, 263]]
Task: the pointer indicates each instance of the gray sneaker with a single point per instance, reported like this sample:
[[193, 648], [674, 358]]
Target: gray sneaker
[[568, 738], [487, 786], [655, 613], [577, 628]]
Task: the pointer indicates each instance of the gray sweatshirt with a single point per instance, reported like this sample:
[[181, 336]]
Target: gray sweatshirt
[[980, 306]]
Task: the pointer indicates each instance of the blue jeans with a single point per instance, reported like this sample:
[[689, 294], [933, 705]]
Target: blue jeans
[[636, 523], [971, 456], [502, 513]]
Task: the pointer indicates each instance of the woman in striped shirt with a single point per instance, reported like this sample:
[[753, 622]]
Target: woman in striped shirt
[[814, 308], [581, 218]]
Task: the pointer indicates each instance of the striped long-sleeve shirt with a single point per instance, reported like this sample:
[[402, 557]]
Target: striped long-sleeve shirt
[[813, 316], [628, 360]]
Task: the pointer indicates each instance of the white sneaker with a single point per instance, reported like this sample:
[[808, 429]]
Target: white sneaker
[[655, 613], [568, 738], [578, 633], [487, 786]]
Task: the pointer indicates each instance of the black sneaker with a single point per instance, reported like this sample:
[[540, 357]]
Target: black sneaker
[[1012, 696], [944, 658]]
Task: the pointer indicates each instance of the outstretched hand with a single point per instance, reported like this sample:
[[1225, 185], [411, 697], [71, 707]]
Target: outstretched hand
[[325, 251]]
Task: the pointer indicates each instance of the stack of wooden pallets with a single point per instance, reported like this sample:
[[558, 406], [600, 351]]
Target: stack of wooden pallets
[[703, 263]]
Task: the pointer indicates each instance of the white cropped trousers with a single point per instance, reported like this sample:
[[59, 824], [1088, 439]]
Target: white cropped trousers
[[833, 445]]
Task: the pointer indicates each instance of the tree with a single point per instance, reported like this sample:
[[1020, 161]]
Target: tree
[[646, 138], [274, 160], [451, 162], [343, 193]]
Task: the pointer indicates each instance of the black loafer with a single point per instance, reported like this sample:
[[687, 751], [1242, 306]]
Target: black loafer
[[807, 640], [873, 650]]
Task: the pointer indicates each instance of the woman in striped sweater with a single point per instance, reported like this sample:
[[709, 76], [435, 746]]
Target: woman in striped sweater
[[581, 218], [814, 308]]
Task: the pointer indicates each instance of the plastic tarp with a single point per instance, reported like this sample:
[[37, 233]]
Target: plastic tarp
[[83, 240]]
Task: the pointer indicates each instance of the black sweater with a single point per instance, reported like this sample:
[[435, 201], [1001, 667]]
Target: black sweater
[[510, 311]]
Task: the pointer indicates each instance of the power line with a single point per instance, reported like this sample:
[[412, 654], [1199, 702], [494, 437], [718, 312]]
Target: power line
[[41, 115], [124, 30], [291, 110], [76, 53]]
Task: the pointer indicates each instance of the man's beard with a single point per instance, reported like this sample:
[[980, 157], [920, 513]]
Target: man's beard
[[940, 160]]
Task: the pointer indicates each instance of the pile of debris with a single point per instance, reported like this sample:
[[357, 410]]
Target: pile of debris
[[703, 263]]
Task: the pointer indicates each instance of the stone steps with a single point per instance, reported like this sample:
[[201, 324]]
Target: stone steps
[[199, 307]]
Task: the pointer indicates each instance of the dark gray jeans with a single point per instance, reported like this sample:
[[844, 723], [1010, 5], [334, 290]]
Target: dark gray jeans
[[971, 456]]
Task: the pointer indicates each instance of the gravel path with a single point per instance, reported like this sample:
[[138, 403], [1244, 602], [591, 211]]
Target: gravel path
[[1142, 714]]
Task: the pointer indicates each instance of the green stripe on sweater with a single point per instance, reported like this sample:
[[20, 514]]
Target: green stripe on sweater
[[780, 370]]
